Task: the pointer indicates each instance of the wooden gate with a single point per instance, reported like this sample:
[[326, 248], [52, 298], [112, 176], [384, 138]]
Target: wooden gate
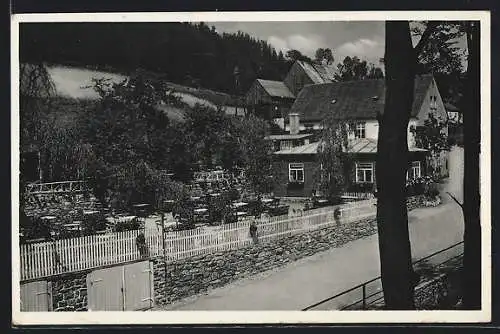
[[138, 287], [104, 289], [121, 288], [36, 297]]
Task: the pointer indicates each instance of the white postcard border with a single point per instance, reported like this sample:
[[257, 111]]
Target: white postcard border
[[259, 317]]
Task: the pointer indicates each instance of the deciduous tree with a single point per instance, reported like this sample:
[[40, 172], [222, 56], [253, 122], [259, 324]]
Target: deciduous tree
[[134, 142], [256, 153], [357, 69], [324, 54], [471, 206], [333, 174], [443, 57], [392, 163], [294, 55]]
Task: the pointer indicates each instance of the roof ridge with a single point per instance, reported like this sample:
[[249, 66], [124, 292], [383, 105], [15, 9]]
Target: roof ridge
[[364, 80], [259, 79]]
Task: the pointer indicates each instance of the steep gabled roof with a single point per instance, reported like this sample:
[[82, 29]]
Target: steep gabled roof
[[351, 99], [276, 88], [327, 72], [318, 73]]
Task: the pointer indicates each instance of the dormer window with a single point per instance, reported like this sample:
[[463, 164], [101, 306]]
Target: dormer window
[[360, 130]]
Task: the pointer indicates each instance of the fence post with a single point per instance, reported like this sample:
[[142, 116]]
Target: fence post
[[364, 296], [163, 242]]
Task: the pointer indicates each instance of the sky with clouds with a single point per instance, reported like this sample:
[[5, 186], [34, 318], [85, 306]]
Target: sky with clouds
[[362, 39]]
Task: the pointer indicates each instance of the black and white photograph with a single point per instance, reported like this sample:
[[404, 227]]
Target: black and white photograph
[[170, 163]]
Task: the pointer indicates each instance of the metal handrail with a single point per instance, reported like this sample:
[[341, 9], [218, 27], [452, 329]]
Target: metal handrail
[[380, 292], [364, 284]]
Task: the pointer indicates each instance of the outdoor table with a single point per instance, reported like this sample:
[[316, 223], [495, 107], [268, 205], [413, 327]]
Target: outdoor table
[[92, 212], [48, 217], [215, 194], [125, 218], [36, 240], [267, 200], [239, 204], [141, 209], [200, 210], [140, 205], [241, 213], [322, 201]]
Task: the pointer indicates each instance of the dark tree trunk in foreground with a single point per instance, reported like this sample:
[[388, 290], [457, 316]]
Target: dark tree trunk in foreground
[[472, 227], [392, 163]]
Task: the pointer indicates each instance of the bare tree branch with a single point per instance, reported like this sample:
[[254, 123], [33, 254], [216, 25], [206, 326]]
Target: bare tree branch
[[431, 27], [456, 200]]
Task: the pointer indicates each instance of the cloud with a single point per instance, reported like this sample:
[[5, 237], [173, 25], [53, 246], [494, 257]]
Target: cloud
[[307, 44], [278, 43], [360, 46], [364, 48]]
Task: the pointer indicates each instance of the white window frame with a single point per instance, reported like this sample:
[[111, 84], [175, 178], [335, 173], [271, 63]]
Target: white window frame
[[364, 167], [415, 170], [293, 169], [286, 144], [360, 130], [433, 104]]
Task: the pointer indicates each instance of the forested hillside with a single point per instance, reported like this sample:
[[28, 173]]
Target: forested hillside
[[189, 54]]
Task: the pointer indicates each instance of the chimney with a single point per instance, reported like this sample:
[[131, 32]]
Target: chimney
[[294, 123]]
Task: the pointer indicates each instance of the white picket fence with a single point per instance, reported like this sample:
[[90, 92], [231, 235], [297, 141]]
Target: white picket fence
[[68, 255]]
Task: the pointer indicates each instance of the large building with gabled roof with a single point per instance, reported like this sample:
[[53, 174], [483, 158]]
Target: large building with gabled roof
[[357, 103], [272, 99]]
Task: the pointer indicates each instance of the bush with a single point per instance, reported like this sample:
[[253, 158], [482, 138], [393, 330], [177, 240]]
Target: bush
[[233, 194], [361, 187], [418, 186], [34, 228], [424, 185], [219, 208], [431, 190], [93, 223], [127, 225], [255, 207]]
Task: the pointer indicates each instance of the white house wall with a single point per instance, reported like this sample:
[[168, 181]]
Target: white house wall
[[371, 129], [425, 109], [411, 136]]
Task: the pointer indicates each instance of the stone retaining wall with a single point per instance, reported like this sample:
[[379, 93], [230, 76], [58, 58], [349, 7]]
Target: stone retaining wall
[[199, 274], [441, 293], [69, 292]]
